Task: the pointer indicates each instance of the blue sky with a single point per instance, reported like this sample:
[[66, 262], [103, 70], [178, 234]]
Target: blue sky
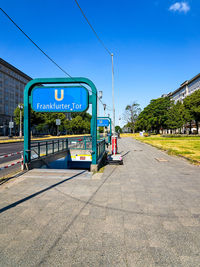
[[155, 43]]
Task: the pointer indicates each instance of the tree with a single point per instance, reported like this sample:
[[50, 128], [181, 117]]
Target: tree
[[154, 116], [78, 125], [46, 122], [85, 115], [176, 116], [118, 129], [50, 121], [131, 114], [36, 117], [192, 105]]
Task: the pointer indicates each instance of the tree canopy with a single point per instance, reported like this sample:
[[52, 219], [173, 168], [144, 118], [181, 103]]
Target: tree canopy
[[192, 105], [46, 122], [131, 114], [154, 116]]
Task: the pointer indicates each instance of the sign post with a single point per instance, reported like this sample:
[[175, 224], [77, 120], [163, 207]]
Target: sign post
[[57, 123], [11, 126], [59, 99], [105, 122]]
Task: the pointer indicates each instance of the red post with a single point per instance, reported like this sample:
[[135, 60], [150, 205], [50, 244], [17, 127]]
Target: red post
[[114, 144]]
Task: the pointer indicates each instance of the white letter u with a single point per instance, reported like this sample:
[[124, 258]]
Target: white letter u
[[56, 95]]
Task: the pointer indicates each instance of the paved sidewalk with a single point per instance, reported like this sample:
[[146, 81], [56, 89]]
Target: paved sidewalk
[[144, 213]]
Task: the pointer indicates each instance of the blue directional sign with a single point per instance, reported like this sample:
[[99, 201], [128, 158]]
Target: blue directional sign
[[59, 99], [103, 122]]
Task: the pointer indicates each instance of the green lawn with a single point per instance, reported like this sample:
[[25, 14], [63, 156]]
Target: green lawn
[[188, 147]]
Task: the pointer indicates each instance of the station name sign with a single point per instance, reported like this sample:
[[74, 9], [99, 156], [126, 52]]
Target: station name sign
[[103, 122], [59, 99]]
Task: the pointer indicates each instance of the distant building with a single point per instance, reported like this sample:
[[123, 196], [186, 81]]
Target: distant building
[[12, 83], [126, 129], [185, 89]]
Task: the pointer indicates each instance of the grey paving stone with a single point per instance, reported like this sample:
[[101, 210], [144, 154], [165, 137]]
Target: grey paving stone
[[144, 213]]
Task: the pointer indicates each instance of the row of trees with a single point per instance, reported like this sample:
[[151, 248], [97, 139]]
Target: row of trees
[[163, 113], [46, 122]]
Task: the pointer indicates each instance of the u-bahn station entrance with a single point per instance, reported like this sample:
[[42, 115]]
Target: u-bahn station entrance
[[143, 213], [63, 95]]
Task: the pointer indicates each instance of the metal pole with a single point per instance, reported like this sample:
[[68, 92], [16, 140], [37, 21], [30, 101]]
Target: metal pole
[[20, 124], [99, 97], [10, 129], [104, 107], [113, 123]]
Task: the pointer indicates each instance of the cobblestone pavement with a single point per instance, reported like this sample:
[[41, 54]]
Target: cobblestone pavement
[[144, 213]]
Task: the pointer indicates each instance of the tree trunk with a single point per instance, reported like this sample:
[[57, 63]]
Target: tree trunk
[[190, 129], [197, 126]]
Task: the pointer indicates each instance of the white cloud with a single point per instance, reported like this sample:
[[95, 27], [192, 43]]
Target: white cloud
[[180, 7]]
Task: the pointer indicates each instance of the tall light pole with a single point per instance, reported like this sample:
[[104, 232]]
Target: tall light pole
[[113, 123], [20, 120]]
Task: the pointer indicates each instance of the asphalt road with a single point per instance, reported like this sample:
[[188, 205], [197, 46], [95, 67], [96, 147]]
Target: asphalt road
[[8, 148]]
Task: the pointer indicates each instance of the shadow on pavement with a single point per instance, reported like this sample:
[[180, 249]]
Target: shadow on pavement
[[126, 153], [38, 193]]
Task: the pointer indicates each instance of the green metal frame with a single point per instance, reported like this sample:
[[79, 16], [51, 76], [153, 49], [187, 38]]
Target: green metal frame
[[109, 139], [27, 107]]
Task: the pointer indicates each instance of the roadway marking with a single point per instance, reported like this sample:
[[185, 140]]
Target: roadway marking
[[161, 160]]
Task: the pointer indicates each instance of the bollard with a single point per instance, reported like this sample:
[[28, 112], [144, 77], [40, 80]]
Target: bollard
[[114, 144], [22, 163]]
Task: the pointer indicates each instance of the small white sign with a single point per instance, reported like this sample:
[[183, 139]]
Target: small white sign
[[57, 121], [11, 124]]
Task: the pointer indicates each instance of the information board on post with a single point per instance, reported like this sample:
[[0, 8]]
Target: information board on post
[[11, 124], [57, 122], [59, 99], [103, 122]]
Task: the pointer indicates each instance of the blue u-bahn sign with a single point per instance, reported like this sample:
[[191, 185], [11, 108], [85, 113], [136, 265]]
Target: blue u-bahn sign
[[59, 99], [103, 122]]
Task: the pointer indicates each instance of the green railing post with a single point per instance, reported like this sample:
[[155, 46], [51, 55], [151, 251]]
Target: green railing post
[[85, 142], [66, 143], [46, 148], [38, 149]]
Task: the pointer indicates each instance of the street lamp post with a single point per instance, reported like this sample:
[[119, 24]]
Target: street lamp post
[[20, 120], [113, 122]]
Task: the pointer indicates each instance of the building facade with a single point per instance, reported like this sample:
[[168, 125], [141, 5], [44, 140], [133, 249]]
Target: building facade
[[12, 84], [185, 89]]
